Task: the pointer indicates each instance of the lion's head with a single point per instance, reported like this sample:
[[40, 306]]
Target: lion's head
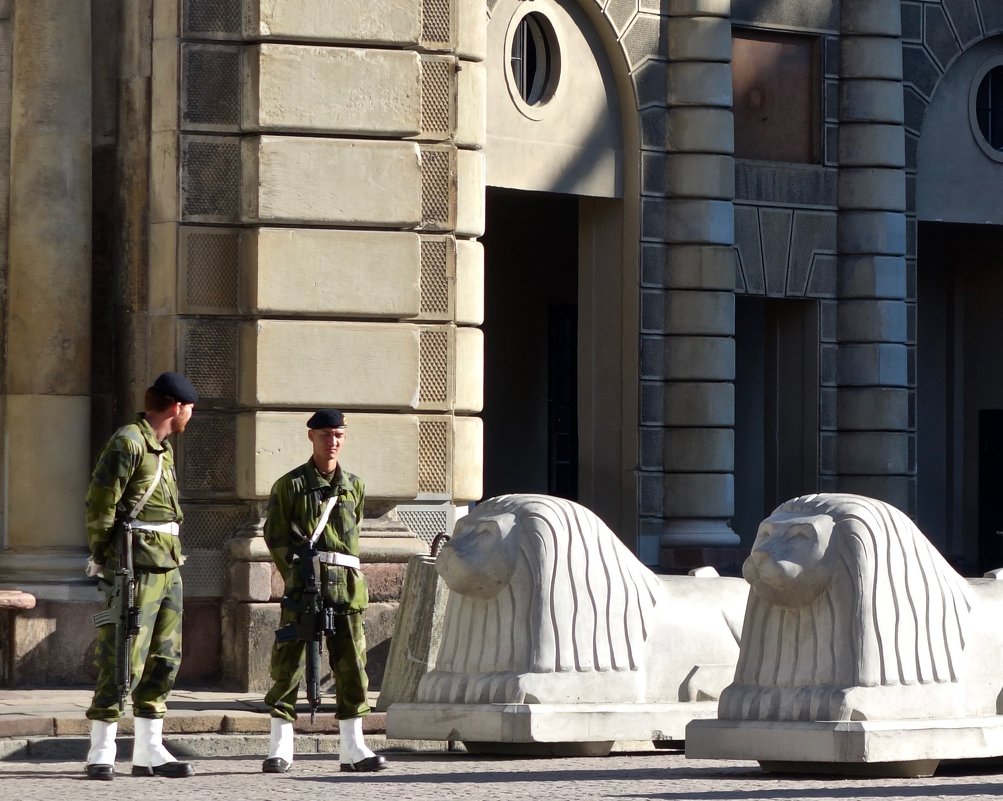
[[539, 586]]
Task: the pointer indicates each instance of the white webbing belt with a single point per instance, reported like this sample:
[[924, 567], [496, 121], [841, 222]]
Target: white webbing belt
[[164, 528], [340, 559], [329, 557]]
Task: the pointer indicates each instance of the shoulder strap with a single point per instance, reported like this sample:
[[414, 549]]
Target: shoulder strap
[[149, 492]]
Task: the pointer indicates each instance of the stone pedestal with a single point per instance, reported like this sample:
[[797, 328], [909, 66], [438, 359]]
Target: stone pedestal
[[415, 642], [886, 748]]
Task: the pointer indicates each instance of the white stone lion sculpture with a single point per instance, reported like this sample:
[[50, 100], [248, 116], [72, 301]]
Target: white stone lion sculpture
[[854, 615], [547, 606]]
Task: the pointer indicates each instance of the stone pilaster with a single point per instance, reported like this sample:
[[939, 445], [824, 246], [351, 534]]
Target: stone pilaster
[[867, 375], [47, 364], [699, 279]]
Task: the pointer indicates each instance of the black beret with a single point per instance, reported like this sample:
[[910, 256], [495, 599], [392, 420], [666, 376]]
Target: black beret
[[175, 385], [326, 418]]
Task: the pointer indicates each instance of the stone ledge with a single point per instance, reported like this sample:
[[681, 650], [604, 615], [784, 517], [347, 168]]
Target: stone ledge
[[893, 748], [535, 724]]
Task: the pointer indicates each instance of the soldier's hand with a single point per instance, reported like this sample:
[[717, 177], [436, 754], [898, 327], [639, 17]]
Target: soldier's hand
[[93, 569]]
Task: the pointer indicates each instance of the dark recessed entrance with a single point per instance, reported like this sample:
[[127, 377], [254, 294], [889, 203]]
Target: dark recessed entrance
[[530, 343]]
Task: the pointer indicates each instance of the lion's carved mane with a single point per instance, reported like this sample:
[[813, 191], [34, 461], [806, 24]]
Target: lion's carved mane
[[546, 605], [852, 615]]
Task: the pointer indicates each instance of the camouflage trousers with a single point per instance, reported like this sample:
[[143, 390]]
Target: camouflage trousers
[[156, 651], [346, 653]]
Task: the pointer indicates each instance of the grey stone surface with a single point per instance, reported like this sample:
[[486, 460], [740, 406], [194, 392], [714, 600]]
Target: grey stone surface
[[872, 188], [701, 450], [874, 453], [863, 232], [693, 312], [699, 495], [920, 70], [870, 101], [873, 364], [699, 84], [875, 17], [872, 321], [700, 404], [992, 16], [699, 39], [913, 109], [691, 358], [775, 226], [799, 14], [872, 277], [940, 39], [870, 145], [785, 184], [872, 408], [912, 21], [813, 247], [871, 57]]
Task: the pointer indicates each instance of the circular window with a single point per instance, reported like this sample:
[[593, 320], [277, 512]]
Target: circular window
[[986, 108], [534, 62]]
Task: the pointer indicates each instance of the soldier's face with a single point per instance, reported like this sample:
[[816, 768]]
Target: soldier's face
[[327, 442], [181, 419]]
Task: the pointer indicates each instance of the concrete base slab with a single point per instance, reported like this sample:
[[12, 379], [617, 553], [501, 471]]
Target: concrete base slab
[[895, 748], [544, 729]]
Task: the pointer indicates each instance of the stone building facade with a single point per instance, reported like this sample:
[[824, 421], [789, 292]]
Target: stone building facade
[[677, 259]]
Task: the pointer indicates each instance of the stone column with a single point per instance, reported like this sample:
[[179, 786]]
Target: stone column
[[868, 398], [699, 345], [47, 415]]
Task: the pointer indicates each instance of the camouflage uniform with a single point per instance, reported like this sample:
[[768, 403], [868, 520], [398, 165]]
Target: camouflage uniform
[[297, 498], [125, 467]]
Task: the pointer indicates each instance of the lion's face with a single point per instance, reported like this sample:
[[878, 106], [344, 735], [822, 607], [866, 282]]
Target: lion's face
[[479, 558], [787, 566]]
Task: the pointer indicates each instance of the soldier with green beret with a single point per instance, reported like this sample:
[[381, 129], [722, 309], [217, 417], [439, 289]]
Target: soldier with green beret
[[320, 500], [135, 471]]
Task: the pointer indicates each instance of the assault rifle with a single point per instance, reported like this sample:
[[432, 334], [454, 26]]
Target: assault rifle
[[122, 612], [314, 619]]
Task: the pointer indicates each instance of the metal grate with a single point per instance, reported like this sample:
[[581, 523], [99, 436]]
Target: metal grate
[[210, 464], [435, 96], [211, 179], [435, 22], [211, 360], [210, 86], [203, 573], [432, 445], [425, 525], [213, 16], [433, 365], [211, 269], [434, 277], [435, 188], [211, 526]]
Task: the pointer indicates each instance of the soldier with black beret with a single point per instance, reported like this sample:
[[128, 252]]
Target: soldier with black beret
[[134, 476], [320, 499]]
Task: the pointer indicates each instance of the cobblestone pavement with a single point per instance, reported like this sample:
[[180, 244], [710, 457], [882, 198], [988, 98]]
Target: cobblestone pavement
[[416, 777]]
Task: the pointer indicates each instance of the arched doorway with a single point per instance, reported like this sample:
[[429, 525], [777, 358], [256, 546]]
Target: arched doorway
[[561, 244]]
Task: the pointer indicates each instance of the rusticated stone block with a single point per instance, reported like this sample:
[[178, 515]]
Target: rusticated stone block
[[332, 90]]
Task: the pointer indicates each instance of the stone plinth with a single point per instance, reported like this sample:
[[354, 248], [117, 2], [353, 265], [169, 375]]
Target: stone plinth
[[544, 729], [889, 748]]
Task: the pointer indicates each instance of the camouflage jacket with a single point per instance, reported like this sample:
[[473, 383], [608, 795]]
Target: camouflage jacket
[[298, 498], [123, 472]]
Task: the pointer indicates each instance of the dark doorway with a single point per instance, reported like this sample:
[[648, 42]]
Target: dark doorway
[[530, 343], [959, 395], [990, 484], [776, 406]]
